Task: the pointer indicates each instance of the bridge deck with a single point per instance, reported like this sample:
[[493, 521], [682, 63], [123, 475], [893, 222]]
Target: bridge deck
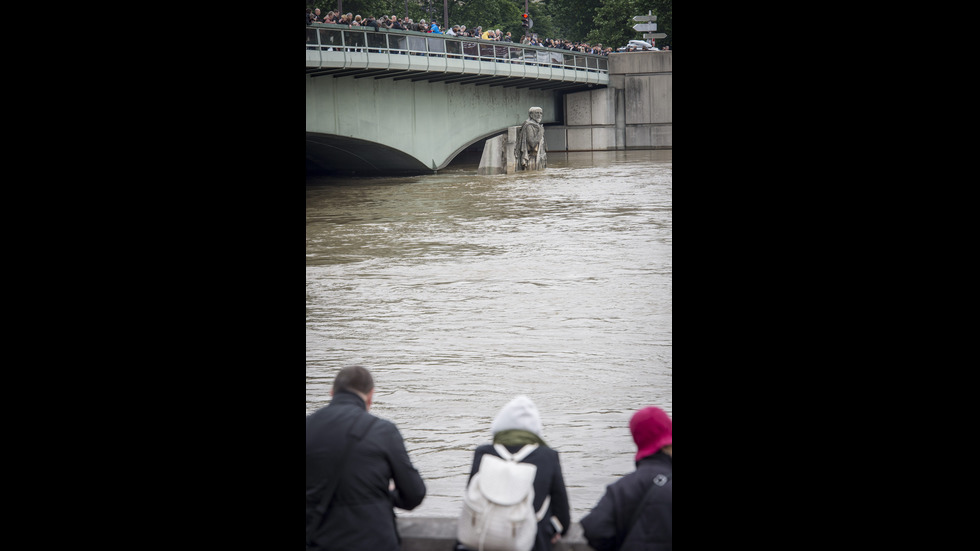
[[338, 51]]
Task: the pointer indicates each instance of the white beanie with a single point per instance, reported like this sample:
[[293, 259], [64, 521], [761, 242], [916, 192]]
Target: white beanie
[[519, 413]]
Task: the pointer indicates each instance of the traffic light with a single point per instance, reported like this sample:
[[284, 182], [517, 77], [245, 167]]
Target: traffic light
[[525, 20]]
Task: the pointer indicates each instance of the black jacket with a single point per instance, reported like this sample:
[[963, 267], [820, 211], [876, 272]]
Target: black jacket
[[547, 481], [360, 515], [607, 527]]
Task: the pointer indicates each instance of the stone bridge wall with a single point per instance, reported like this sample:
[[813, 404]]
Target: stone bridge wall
[[633, 112]]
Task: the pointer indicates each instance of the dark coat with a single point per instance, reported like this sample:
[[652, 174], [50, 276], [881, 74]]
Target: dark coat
[[607, 527], [547, 481], [360, 515]]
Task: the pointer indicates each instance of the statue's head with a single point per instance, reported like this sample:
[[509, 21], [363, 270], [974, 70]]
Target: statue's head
[[535, 113]]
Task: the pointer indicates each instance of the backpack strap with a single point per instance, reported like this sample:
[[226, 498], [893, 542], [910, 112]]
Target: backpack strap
[[517, 457], [539, 515], [659, 481]]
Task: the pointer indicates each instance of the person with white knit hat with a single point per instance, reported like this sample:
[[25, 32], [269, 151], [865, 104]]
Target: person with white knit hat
[[518, 424], [520, 415]]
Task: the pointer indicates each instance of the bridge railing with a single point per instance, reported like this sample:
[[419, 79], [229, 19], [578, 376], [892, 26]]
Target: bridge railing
[[340, 38]]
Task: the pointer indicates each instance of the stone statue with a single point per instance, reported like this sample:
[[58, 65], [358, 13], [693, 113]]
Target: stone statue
[[529, 149]]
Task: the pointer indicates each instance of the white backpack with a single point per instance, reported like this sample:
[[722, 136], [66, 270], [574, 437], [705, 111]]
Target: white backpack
[[498, 506]]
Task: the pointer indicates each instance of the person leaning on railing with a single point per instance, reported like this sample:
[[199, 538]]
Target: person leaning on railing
[[371, 22], [388, 23]]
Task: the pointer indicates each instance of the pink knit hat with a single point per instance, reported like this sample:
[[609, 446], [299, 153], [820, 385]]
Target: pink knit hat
[[652, 429]]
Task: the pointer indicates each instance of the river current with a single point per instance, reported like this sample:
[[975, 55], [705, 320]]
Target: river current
[[460, 291]]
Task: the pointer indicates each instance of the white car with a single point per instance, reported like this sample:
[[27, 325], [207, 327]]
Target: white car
[[638, 46]]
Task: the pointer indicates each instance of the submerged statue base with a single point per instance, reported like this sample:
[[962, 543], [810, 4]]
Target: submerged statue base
[[521, 149], [498, 154]]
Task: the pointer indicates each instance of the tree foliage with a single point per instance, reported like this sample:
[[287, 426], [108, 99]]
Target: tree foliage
[[573, 19], [614, 21], [609, 22]]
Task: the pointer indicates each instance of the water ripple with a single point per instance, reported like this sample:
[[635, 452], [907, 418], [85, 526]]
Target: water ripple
[[460, 291]]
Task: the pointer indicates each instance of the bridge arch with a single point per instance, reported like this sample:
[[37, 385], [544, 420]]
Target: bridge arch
[[423, 125], [346, 155], [418, 101]]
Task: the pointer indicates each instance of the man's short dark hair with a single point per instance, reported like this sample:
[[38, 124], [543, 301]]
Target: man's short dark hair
[[353, 377]]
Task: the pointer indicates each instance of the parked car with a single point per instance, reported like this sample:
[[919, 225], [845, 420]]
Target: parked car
[[638, 46]]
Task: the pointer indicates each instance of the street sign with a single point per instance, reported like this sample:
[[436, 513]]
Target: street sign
[[645, 18], [654, 35], [641, 27]]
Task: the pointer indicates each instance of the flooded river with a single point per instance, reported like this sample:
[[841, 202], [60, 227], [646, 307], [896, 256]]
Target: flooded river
[[461, 291]]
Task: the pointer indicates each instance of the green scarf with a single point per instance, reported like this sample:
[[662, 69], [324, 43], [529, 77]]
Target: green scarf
[[517, 437]]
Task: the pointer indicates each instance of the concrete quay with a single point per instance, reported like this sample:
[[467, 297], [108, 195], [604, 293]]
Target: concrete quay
[[635, 111], [439, 534]]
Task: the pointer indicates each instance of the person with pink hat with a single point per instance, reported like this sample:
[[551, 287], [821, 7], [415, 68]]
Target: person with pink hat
[[636, 511]]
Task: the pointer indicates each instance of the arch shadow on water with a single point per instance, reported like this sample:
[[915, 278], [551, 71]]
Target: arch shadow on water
[[328, 154], [342, 155]]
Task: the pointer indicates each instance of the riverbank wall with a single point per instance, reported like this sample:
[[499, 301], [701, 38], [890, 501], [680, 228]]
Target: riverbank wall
[[439, 534], [633, 112]]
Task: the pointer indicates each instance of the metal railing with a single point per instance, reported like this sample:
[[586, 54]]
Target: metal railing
[[332, 38]]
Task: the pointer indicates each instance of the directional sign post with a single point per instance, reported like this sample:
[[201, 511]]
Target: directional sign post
[[645, 26]]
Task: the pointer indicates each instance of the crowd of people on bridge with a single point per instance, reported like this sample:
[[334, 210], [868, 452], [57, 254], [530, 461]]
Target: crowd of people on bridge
[[408, 24]]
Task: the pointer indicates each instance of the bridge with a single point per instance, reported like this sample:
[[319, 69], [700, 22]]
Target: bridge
[[395, 101]]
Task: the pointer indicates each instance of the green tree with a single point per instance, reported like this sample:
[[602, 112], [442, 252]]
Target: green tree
[[489, 14], [662, 9], [417, 9], [572, 19], [614, 21], [543, 21], [609, 22]]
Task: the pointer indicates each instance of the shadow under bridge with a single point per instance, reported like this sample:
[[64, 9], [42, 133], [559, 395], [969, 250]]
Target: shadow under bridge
[[389, 102]]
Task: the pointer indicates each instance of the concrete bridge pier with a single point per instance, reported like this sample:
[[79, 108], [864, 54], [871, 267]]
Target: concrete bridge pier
[[498, 154], [634, 112]]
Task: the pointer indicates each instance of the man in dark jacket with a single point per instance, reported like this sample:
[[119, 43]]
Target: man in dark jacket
[[636, 511], [360, 514]]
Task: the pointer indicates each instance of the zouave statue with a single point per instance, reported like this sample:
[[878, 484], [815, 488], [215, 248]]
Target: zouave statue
[[529, 148]]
